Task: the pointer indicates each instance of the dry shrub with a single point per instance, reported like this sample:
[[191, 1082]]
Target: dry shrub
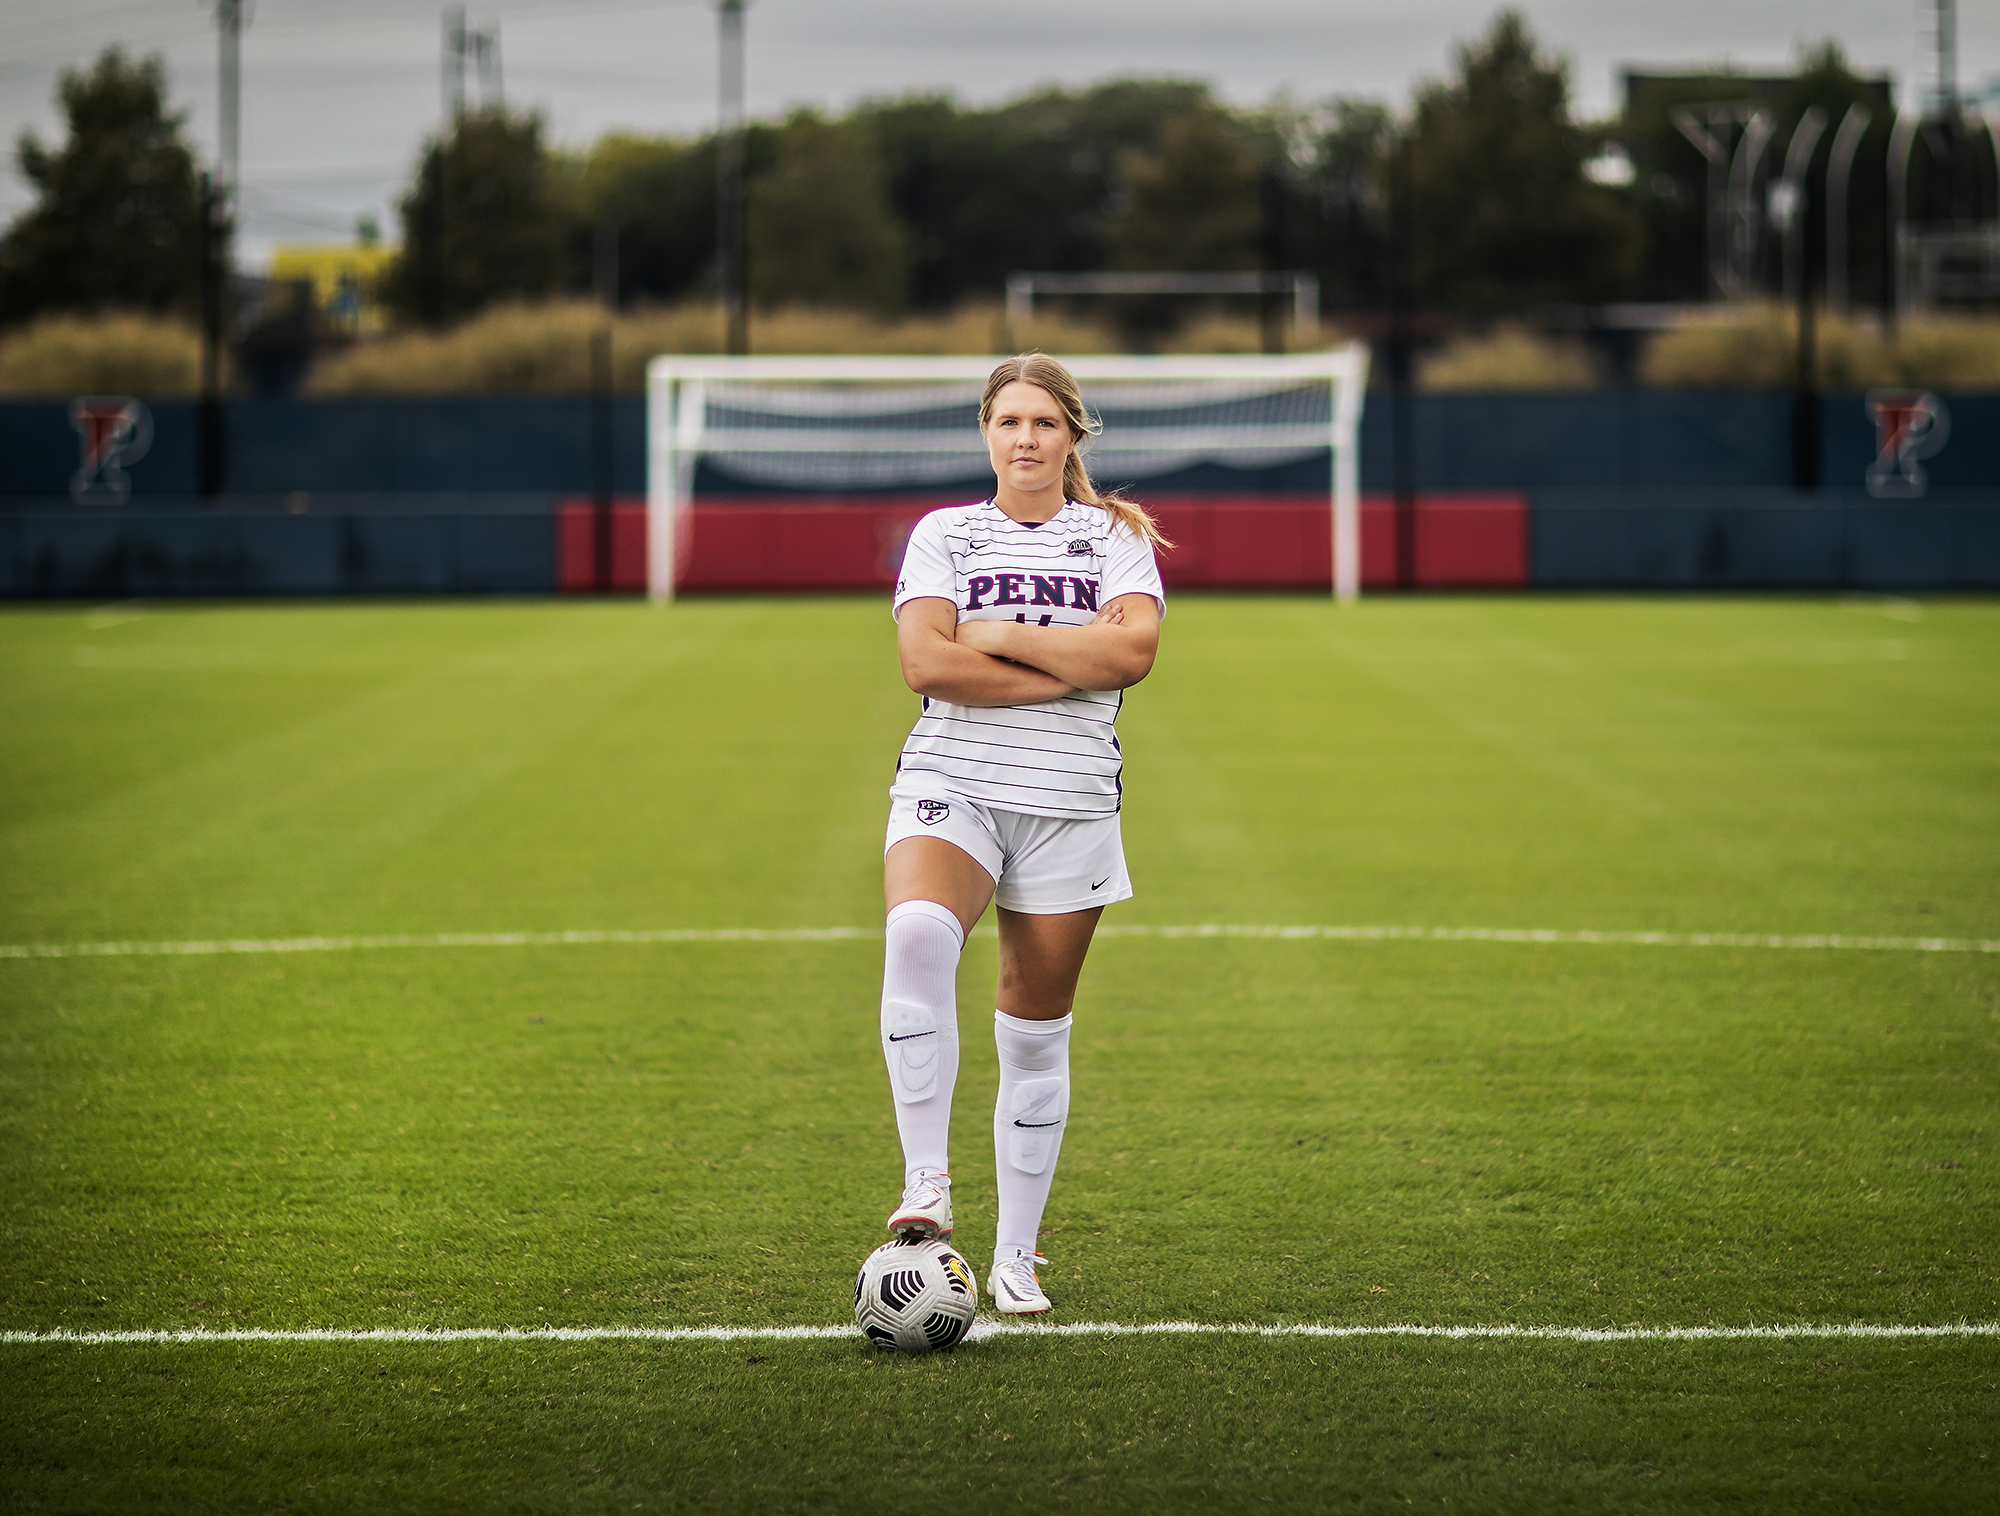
[[525, 348], [1950, 352], [1751, 347], [116, 353], [1507, 358], [510, 348], [1219, 332], [970, 331]]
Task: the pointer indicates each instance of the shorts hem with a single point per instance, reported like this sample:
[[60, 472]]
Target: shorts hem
[[894, 838], [1088, 902]]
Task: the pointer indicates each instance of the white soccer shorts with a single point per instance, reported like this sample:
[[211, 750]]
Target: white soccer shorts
[[1041, 865]]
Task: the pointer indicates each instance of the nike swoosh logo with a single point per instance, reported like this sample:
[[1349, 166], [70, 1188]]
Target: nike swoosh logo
[[1101, 883], [1037, 1123], [907, 1036]]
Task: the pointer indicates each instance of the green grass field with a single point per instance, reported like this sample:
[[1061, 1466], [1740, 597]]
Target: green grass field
[[1266, 1131]]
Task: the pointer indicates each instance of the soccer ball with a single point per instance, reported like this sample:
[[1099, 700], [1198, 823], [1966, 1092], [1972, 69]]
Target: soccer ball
[[915, 1296]]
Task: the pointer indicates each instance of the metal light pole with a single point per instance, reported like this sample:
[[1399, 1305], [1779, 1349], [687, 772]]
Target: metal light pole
[[1789, 205], [210, 462], [1402, 411], [729, 179]]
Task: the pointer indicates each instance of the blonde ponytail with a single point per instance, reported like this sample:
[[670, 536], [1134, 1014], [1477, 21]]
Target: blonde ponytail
[[1045, 372]]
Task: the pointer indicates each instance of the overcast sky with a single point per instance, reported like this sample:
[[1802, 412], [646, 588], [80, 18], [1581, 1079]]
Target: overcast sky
[[338, 94]]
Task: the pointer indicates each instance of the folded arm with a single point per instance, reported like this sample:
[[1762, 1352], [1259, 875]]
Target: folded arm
[[937, 664], [1114, 652]]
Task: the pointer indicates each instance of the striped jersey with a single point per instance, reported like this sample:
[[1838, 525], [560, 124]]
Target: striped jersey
[[1055, 757]]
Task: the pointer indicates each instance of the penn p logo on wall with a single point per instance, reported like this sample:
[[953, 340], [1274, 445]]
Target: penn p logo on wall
[[1910, 426], [115, 431]]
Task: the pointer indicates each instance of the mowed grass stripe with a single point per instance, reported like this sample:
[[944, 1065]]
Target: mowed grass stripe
[[585, 938], [988, 1328]]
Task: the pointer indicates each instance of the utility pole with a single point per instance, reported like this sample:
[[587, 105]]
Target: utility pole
[[453, 75], [1947, 57], [229, 18], [729, 179]]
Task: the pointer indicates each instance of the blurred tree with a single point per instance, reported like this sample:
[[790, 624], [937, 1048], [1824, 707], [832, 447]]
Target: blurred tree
[[1503, 217], [821, 228], [1189, 200], [1337, 219], [659, 196], [1032, 184], [117, 220], [486, 219]]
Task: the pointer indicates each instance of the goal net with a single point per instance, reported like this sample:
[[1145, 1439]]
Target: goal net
[[869, 425]]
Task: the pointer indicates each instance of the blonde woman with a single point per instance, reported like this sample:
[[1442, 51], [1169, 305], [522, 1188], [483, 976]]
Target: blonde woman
[[1020, 620]]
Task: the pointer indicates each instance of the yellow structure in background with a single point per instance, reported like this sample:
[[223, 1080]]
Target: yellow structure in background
[[346, 281]]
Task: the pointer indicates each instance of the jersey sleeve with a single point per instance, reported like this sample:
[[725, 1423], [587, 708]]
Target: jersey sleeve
[[927, 570], [1131, 569]]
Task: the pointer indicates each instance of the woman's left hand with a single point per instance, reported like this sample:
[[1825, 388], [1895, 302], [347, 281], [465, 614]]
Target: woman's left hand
[[982, 636]]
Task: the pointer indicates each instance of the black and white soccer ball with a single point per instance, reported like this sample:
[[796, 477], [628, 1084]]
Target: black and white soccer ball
[[915, 1296]]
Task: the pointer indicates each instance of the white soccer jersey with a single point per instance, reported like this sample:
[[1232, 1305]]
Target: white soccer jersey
[[1056, 757]]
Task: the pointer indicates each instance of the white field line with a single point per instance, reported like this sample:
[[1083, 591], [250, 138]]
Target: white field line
[[858, 934], [987, 1328]]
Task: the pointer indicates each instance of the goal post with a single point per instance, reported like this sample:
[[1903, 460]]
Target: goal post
[[861, 424]]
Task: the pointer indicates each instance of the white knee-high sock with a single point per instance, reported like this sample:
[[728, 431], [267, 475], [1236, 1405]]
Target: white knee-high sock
[[920, 1028], [1028, 1122]]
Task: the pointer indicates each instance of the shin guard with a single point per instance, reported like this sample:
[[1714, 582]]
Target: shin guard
[[920, 1027], [1028, 1121]]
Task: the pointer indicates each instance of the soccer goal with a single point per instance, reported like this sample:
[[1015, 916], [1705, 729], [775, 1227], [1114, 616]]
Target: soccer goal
[[872, 424]]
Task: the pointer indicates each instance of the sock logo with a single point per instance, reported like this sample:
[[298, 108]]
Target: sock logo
[[906, 1036], [931, 812]]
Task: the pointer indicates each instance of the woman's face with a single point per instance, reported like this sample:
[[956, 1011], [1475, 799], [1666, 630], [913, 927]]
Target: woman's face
[[1027, 437]]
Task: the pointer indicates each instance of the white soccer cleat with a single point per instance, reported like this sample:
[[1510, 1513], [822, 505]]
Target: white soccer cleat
[[926, 1208], [1014, 1288]]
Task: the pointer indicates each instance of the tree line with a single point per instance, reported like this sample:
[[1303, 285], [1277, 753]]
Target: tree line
[[1487, 199]]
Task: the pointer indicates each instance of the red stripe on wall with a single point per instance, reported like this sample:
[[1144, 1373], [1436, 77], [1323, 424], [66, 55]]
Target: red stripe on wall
[[1222, 542]]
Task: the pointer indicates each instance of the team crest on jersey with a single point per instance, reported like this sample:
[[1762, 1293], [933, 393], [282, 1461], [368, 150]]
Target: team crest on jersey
[[931, 812], [1081, 547]]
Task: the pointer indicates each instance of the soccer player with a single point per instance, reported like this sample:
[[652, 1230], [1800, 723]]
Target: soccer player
[[1020, 621]]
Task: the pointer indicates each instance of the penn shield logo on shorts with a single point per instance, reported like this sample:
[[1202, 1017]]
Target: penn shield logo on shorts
[[931, 812]]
